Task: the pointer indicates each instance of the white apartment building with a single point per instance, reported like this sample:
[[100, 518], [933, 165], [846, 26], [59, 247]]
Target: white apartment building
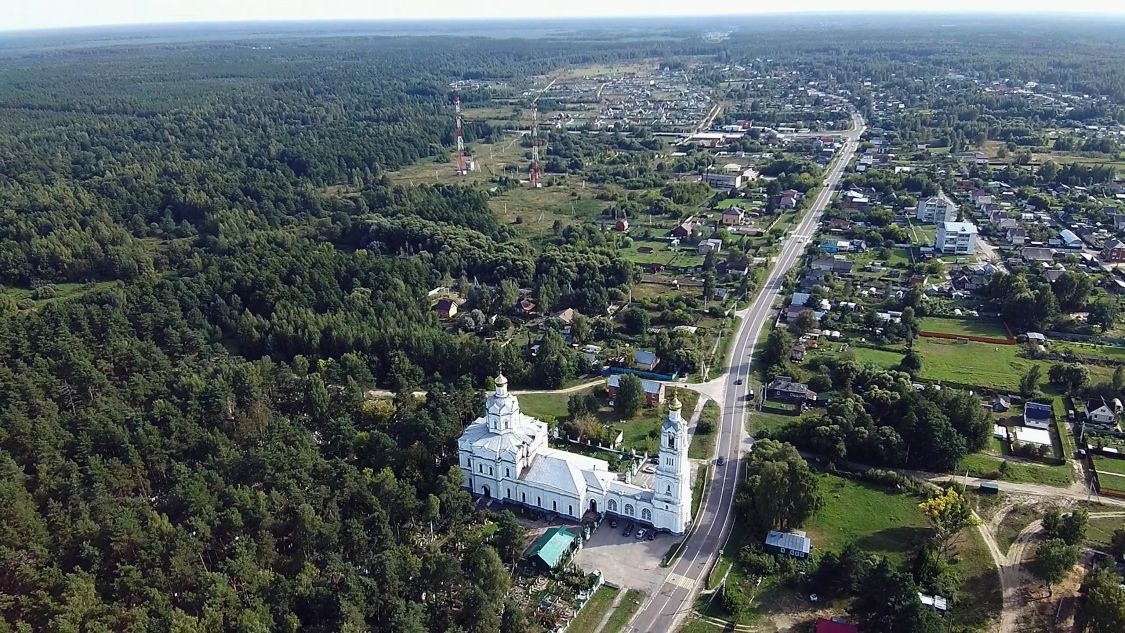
[[956, 238], [936, 210]]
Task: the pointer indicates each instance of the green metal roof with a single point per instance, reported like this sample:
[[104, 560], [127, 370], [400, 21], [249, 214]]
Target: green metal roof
[[552, 546]]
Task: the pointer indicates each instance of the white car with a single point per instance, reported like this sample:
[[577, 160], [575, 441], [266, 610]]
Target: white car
[[641, 534]]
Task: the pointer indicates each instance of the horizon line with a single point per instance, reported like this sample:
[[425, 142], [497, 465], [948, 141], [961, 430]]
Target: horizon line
[[559, 18]]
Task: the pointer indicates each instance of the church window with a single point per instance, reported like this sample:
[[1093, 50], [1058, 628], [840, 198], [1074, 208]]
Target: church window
[[507, 473], [523, 497], [554, 506], [629, 509], [481, 467], [611, 505], [646, 514], [490, 470], [671, 441], [508, 493], [570, 510], [539, 501], [669, 489]]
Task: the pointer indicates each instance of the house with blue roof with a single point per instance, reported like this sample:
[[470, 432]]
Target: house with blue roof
[[1037, 416], [645, 360]]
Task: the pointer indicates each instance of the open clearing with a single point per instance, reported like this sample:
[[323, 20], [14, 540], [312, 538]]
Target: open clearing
[[963, 327], [857, 512]]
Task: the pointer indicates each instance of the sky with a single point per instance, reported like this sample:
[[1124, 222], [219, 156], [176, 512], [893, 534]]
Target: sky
[[42, 14]]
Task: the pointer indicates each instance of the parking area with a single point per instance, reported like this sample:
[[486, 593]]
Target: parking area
[[624, 560]]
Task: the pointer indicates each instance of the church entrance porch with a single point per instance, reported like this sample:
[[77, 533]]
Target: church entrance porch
[[486, 492], [593, 505]]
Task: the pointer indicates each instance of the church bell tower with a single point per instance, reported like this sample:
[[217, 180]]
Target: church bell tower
[[673, 481]]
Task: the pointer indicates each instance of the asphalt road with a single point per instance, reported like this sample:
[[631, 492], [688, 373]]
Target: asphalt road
[[665, 609]]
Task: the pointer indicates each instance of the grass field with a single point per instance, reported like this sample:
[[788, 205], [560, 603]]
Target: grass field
[[1111, 481], [624, 611], [964, 327], [703, 446], [1101, 351], [537, 209], [1100, 531], [980, 596], [63, 291], [878, 521], [1109, 465], [594, 611], [988, 467], [979, 364]]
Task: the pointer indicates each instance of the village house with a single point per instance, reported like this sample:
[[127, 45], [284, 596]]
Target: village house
[[1113, 251], [685, 228], [1101, 413], [733, 216], [831, 264], [1037, 416], [654, 390], [712, 245], [645, 360], [783, 389], [621, 225], [446, 308]]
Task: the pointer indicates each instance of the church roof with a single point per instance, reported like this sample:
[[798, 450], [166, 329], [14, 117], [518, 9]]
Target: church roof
[[565, 472]]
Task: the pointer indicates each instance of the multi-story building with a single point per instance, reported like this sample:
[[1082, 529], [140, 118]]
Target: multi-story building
[[936, 210], [956, 238]]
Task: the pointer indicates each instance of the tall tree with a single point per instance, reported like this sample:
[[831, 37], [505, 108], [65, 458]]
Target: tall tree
[[779, 490], [1053, 560], [630, 396], [1102, 607]]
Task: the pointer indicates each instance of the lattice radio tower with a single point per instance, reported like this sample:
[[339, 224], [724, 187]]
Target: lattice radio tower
[[461, 171], [535, 146]]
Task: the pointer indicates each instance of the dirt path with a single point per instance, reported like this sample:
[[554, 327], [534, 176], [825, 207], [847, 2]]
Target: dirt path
[[612, 607], [1013, 575]]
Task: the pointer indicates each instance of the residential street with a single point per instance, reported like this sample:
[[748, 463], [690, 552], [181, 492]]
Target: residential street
[[665, 608]]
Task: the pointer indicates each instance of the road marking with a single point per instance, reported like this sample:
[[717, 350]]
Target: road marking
[[681, 581]]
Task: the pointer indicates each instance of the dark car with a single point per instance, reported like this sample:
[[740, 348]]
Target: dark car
[[722, 460], [613, 523], [651, 535], [628, 531], [738, 382]]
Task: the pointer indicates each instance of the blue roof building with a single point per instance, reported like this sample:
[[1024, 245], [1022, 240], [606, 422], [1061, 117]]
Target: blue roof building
[[1037, 416], [1070, 239], [788, 544]]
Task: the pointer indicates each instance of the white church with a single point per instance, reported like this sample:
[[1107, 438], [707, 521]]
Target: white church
[[504, 455]]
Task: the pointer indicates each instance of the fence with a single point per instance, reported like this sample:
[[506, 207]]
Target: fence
[[969, 337], [642, 374]]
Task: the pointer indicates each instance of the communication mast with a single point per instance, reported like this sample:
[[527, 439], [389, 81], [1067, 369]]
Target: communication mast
[[535, 146], [461, 171]]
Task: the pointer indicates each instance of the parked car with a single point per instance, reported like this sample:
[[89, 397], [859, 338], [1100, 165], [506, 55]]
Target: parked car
[[628, 530], [613, 523], [738, 382], [641, 535], [722, 460], [651, 535]]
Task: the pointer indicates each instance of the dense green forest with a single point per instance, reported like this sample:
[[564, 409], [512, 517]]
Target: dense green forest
[[190, 319]]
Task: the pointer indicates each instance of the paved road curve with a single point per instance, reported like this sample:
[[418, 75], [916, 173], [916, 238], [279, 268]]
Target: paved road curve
[[665, 609]]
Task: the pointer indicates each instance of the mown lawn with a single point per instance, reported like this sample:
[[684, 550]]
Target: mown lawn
[[988, 467], [964, 327], [594, 611], [876, 520], [1109, 465]]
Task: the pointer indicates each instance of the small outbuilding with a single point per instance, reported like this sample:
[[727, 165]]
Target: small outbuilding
[[793, 544], [551, 549]]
